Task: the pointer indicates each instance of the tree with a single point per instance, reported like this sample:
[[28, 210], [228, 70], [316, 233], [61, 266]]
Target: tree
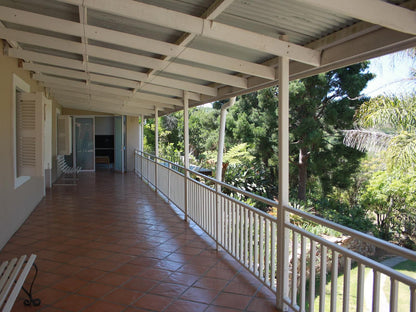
[[320, 107], [388, 130], [387, 124], [391, 196]]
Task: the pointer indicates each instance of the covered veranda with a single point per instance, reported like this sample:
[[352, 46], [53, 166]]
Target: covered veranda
[[112, 244], [148, 58]]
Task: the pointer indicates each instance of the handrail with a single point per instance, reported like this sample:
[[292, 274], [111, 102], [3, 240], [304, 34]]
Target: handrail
[[409, 254], [356, 256]]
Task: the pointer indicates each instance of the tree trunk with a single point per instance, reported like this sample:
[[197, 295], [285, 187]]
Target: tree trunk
[[303, 173]]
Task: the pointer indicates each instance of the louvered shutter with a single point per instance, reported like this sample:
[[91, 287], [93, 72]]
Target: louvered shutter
[[64, 135], [29, 131]]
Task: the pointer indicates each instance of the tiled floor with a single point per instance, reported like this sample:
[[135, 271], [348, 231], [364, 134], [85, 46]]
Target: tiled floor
[[111, 244]]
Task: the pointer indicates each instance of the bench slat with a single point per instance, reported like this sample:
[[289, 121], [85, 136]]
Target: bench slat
[[12, 278], [2, 269], [6, 274], [19, 283]]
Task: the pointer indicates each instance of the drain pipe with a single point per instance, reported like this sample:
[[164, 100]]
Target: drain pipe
[[221, 137]]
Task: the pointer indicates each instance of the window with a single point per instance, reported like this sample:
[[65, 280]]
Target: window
[[19, 87]]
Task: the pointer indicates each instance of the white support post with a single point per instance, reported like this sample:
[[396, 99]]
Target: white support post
[[282, 215], [186, 148], [218, 175], [222, 136], [156, 143], [141, 134]]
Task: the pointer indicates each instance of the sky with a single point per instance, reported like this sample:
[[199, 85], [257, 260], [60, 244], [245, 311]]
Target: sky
[[392, 75]]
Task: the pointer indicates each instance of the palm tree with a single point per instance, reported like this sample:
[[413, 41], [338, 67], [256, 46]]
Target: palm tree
[[387, 124]]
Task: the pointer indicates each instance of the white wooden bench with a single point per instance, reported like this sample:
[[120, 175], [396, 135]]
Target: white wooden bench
[[68, 173], [13, 274], [65, 168]]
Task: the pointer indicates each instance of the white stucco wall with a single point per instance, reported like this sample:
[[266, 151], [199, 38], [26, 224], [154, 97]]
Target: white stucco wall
[[15, 204]]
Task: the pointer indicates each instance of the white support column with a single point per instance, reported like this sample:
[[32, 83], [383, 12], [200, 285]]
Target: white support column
[[186, 147], [156, 143], [282, 215], [222, 136], [141, 133]]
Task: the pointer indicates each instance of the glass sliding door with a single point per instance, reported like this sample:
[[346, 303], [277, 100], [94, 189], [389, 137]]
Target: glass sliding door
[[84, 143]]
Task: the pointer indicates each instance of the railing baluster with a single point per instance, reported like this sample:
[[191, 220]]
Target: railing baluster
[[303, 274], [242, 242], [294, 267], [334, 281], [313, 277], [261, 248], [235, 227], [273, 254], [251, 233], [232, 221], [360, 287], [267, 253], [256, 245], [211, 213], [230, 224], [169, 170], [394, 289], [223, 220], [412, 299], [347, 280], [376, 291], [246, 239], [323, 279]]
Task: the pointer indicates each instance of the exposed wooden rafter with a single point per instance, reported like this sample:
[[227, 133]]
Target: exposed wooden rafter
[[373, 11], [202, 27]]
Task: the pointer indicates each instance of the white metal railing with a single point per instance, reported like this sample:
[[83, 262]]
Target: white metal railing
[[321, 275]]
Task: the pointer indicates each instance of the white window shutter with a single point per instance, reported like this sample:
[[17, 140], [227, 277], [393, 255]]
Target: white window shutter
[[64, 135], [30, 134]]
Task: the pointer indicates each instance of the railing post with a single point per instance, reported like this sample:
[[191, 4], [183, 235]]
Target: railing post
[[169, 169], [156, 143], [186, 149], [217, 207], [141, 165], [282, 215]]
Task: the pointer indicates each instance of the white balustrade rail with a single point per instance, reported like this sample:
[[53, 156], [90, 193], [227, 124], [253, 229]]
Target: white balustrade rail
[[320, 271]]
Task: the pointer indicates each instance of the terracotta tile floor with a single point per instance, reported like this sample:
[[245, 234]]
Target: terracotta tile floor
[[111, 244]]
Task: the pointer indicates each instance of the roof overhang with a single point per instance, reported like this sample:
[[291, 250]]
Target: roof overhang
[[133, 57]]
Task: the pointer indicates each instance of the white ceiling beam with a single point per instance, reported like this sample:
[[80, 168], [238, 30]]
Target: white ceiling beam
[[373, 11], [157, 64], [12, 43], [119, 38], [215, 9], [46, 69], [93, 106], [60, 86], [103, 89], [46, 58], [84, 90], [205, 28], [97, 68], [132, 59], [169, 91], [64, 94]]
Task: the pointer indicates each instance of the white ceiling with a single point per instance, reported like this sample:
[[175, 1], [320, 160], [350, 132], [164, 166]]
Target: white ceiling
[[132, 57]]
